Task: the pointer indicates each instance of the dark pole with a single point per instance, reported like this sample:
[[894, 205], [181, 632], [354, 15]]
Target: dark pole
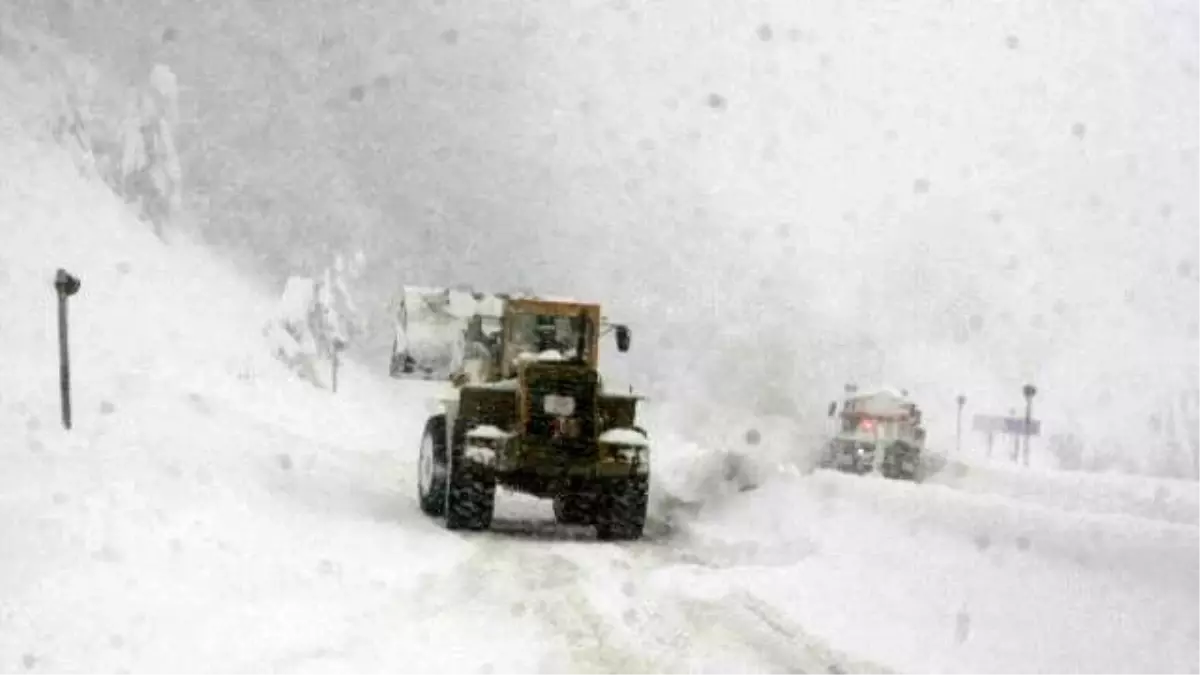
[[962, 400], [1029, 391], [65, 286], [338, 346]]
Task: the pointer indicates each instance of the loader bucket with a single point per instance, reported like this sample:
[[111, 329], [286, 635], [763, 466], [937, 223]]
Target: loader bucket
[[431, 330]]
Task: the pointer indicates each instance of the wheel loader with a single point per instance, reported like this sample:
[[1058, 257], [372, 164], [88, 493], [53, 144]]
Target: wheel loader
[[525, 408]]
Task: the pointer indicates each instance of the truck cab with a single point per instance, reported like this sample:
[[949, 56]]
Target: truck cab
[[877, 430]]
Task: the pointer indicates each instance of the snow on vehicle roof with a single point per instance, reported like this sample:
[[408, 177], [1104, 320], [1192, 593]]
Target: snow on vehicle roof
[[879, 403], [880, 391], [456, 302], [559, 298]]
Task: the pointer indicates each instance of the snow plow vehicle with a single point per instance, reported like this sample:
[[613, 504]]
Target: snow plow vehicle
[[879, 431], [525, 408]]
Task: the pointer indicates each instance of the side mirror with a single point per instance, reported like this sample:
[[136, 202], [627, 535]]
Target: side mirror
[[622, 338]]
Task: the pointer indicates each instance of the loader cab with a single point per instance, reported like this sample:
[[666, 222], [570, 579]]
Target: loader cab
[[467, 337], [548, 331]]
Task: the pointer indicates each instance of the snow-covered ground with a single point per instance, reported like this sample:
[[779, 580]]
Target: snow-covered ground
[[209, 512], [927, 579]]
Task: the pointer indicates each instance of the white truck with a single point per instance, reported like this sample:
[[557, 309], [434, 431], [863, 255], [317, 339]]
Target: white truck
[[877, 431]]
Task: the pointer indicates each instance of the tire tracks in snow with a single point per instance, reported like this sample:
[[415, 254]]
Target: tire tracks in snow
[[757, 621], [624, 608], [539, 587]]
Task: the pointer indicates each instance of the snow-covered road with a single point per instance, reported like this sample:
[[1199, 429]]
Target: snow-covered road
[[184, 533], [188, 533]]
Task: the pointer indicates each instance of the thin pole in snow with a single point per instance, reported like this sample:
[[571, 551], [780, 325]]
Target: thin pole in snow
[[1029, 391], [338, 346], [65, 286], [335, 370]]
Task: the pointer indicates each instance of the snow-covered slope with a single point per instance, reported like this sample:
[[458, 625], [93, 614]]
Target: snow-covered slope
[[183, 501]]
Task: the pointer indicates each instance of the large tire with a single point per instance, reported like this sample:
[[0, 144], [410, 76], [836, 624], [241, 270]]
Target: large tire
[[432, 469], [398, 365], [575, 509], [470, 493], [621, 515], [895, 458]]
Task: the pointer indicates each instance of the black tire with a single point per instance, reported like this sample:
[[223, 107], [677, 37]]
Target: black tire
[[398, 362], [470, 493], [575, 509], [894, 459], [621, 515], [912, 473], [432, 469]]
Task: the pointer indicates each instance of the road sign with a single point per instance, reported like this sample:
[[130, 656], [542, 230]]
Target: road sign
[[1000, 424]]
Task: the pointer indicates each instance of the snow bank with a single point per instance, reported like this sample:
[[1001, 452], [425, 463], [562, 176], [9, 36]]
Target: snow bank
[[702, 454], [930, 580], [1155, 551], [140, 315], [1175, 501]]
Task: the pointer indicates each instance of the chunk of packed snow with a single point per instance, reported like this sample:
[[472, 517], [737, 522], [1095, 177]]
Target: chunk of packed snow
[[502, 385], [624, 436], [489, 432], [480, 454]]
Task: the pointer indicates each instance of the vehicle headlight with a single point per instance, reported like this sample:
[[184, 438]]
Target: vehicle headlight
[[561, 406]]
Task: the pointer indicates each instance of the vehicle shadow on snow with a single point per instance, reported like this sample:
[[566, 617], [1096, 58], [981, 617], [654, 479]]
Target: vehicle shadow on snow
[[335, 491], [539, 529]]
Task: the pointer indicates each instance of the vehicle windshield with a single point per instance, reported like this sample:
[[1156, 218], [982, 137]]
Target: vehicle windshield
[[537, 333]]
